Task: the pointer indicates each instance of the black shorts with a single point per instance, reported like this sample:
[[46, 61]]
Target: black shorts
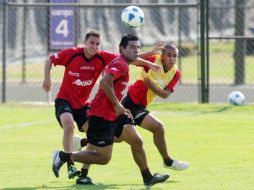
[[101, 132], [79, 115], [138, 111]]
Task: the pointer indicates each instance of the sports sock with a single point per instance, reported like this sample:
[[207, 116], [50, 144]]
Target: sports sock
[[146, 174], [66, 157], [83, 142], [84, 172], [168, 161]]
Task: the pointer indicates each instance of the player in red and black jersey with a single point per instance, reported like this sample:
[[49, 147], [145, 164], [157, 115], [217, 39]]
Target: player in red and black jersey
[[108, 118], [83, 66], [144, 90]]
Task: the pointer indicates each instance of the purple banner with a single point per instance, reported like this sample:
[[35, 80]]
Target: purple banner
[[62, 25]]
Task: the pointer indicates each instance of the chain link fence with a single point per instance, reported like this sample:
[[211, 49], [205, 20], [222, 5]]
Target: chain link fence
[[28, 42]]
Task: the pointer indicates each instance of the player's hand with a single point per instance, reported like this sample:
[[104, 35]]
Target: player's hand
[[158, 47], [119, 109], [128, 112], [46, 85], [155, 67]]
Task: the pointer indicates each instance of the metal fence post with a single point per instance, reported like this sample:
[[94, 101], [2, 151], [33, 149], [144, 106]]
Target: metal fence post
[[204, 88], [4, 52]]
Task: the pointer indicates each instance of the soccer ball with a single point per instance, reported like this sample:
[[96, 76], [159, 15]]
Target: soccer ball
[[236, 98], [133, 16]]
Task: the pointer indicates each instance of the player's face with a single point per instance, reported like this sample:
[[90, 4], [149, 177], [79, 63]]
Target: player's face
[[131, 51], [92, 45], [169, 58]]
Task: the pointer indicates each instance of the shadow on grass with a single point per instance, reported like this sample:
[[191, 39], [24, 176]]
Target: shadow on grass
[[98, 186]]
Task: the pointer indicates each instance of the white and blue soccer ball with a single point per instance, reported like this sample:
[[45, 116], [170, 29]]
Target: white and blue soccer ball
[[133, 16], [236, 98]]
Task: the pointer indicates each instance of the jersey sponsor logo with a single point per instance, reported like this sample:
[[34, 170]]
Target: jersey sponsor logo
[[87, 68], [114, 69], [73, 74], [79, 82], [101, 142], [56, 55]]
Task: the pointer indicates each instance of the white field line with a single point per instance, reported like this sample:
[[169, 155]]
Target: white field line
[[26, 124], [174, 113]]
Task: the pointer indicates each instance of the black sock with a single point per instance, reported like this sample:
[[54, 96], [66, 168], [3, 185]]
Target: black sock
[[83, 142], [146, 174], [66, 157], [168, 161], [84, 172], [63, 156]]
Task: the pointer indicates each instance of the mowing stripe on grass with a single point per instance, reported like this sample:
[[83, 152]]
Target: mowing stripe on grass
[[26, 124]]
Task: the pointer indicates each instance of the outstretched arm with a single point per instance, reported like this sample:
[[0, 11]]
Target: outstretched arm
[[144, 63], [158, 47]]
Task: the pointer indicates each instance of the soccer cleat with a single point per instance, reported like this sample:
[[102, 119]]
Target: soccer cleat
[[57, 163], [177, 165], [84, 180], [73, 172], [157, 178], [76, 146]]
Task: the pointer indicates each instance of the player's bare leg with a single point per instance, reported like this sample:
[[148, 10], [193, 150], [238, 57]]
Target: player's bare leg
[[83, 179], [67, 122], [152, 124], [131, 136]]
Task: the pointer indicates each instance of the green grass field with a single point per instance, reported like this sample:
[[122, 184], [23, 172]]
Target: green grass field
[[216, 140]]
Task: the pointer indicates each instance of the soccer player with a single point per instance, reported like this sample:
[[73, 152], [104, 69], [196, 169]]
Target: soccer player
[[108, 118], [144, 90], [83, 66]]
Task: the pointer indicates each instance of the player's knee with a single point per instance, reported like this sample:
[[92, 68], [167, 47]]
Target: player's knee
[[138, 142], [68, 127], [159, 129], [105, 159]]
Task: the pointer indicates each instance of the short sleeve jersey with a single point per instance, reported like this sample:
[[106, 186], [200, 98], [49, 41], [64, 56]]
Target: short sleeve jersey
[[80, 73], [101, 106], [142, 95]]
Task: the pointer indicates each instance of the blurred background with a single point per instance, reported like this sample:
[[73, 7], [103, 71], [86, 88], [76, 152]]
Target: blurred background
[[215, 39]]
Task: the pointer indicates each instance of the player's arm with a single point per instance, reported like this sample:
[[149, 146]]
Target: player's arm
[[107, 85], [158, 47], [163, 93], [47, 79], [144, 63]]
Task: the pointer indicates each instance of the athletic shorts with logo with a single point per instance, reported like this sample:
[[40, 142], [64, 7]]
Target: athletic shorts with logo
[[101, 132], [79, 115], [137, 111]]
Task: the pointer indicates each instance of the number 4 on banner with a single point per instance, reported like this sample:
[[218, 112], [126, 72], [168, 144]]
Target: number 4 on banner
[[62, 28]]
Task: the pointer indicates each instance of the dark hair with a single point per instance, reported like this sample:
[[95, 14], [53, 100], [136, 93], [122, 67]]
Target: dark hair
[[126, 38], [169, 46], [92, 33]]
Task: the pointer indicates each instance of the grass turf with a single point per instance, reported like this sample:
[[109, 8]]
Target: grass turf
[[216, 140]]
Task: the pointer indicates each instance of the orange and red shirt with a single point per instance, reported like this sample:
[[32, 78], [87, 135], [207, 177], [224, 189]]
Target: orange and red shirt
[[142, 95]]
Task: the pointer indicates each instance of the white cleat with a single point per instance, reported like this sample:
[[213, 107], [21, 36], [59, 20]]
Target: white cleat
[[76, 140], [177, 165], [57, 163]]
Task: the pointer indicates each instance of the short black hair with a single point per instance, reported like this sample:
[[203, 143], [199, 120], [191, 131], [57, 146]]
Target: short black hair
[[169, 46], [126, 38], [92, 33]]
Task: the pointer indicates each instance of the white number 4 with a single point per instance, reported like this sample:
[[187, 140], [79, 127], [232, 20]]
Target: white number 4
[[62, 28]]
